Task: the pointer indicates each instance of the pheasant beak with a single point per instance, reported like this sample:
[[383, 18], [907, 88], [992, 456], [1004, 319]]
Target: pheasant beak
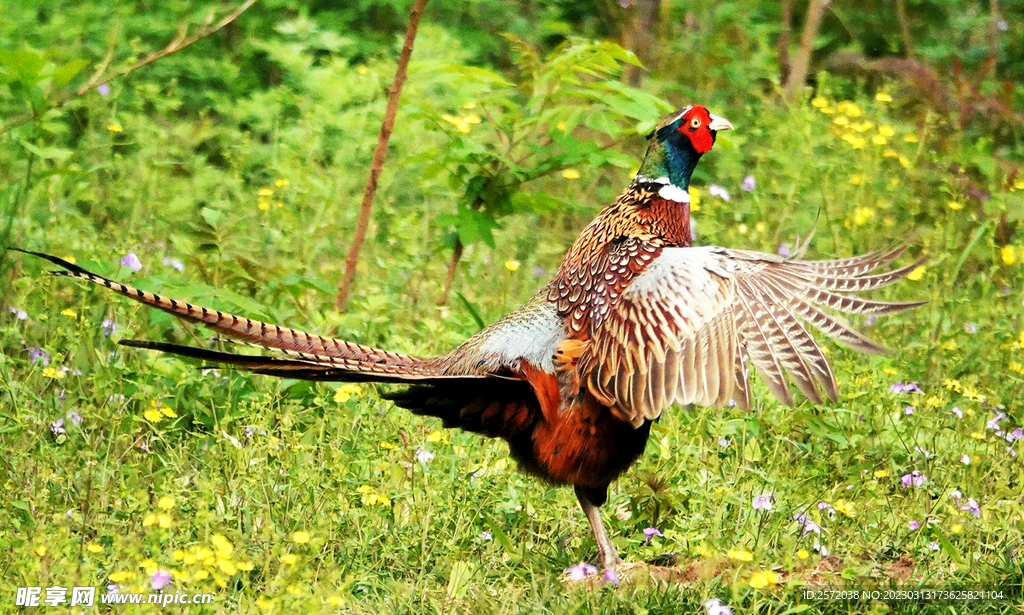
[[719, 123]]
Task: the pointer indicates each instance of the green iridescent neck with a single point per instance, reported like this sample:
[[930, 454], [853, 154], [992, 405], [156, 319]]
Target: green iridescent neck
[[665, 160]]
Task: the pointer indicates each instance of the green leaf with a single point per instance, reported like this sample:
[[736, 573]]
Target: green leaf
[[67, 72], [472, 310]]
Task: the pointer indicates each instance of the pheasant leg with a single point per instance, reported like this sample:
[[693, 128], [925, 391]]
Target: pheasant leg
[[606, 552]]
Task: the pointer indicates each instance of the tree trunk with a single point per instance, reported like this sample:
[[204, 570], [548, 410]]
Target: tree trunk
[[785, 33], [379, 153], [802, 62], [640, 37], [452, 266]]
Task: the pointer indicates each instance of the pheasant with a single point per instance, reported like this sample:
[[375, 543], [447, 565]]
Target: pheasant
[[634, 320]]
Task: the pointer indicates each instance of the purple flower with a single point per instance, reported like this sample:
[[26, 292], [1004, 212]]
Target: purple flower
[[74, 417], [103, 89], [160, 579], [749, 183], [764, 501], [723, 442], [580, 571], [610, 576], [19, 314], [965, 460], [174, 263], [908, 410], [956, 495], [784, 249], [914, 524], [38, 355], [651, 532], [108, 327], [131, 261], [57, 427], [958, 412], [934, 546], [993, 423], [1016, 434], [1002, 25], [715, 607], [971, 327], [538, 271], [809, 524], [731, 403], [915, 478], [826, 506], [909, 387], [972, 507], [486, 536], [720, 192], [423, 455]]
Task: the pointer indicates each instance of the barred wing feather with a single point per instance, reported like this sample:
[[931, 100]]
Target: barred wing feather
[[685, 330]]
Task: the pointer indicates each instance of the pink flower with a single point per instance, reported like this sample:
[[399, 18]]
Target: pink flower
[[580, 571], [914, 524], [764, 501], [131, 261], [160, 579], [749, 184], [651, 532]]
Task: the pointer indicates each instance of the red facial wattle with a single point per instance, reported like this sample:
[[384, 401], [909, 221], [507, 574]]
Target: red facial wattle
[[699, 134]]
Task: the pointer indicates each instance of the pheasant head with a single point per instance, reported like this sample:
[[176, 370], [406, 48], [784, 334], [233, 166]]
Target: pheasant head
[[677, 144]]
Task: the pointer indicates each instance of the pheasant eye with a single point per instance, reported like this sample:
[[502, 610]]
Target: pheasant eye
[[695, 122]]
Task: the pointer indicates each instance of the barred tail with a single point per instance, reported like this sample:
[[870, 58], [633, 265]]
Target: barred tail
[[310, 356]]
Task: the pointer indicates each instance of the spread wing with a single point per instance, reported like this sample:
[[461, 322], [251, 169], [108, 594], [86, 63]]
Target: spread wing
[[685, 330]]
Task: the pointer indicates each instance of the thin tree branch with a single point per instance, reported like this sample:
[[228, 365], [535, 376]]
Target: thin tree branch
[[379, 153], [802, 61], [181, 41]]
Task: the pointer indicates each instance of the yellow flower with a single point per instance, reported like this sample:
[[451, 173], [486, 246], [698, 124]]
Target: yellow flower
[[571, 174], [562, 125], [740, 555], [862, 126], [437, 436], [294, 589], [803, 554], [177, 555], [70, 259], [69, 313], [345, 393], [244, 566], [882, 97], [1008, 254], [956, 528], [911, 138], [289, 559], [149, 566], [857, 179], [512, 265], [114, 127], [1019, 185], [861, 215], [840, 120], [148, 520], [227, 567], [460, 123], [844, 507], [120, 576], [201, 574], [977, 435], [362, 70], [952, 384], [764, 578], [94, 547], [879, 140], [848, 107], [469, 106], [819, 102], [889, 370], [335, 600], [280, 182], [885, 130], [471, 118], [916, 274], [263, 204], [972, 394], [933, 401], [1016, 367], [40, 550], [163, 520], [166, 502], [949, 345], [956, 205], [388, 446], [855, 141], [881, 473], [301, 537], [53, 372], [153, 415], [265, 192], [904, 161], [743, 228]]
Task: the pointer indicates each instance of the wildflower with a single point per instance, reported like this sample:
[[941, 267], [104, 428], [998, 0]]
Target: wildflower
[[423, 455], [650, 533], [114, 127], [879, 140], [784, 250], [280, 182], [103, 89], [819, 102], [881, 473], [764, 578], [53, 373], [1016, 367], [362, 70], [512, 265], [916, 274], [69, 313], [173, 263], [743, 228], [885, 131], [459, 123], [131, 261], [803, 554], [345, 393], [289, 559], [764, 501], [840, 120], [740, 555], [724, 443], [883, 97], [908, 410], [915, 478], [166, 502], [571, 174], [610, 576], [160, 579], [909, 387], [164, 521], [914, 524], [993, 423], [911, 138], [108, 326], [436, 436], [19, 314], [845, 507], [694, 198], [809, 524], [749, 184], [94, 547], [486, 536], [714, 606], [300, 537], [972, 507], [57, 427], [1008, 255], [720, 192], [977, 435], [849, 108], [825, 506], [862, 215], [580, 571]]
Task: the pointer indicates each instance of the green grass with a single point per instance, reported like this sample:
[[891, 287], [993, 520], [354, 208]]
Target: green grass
[[255, 460]]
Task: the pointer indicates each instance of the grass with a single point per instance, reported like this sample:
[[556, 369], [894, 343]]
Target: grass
[[220, 477]]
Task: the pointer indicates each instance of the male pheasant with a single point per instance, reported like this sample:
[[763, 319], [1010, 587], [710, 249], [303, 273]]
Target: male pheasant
[[634, 320]]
